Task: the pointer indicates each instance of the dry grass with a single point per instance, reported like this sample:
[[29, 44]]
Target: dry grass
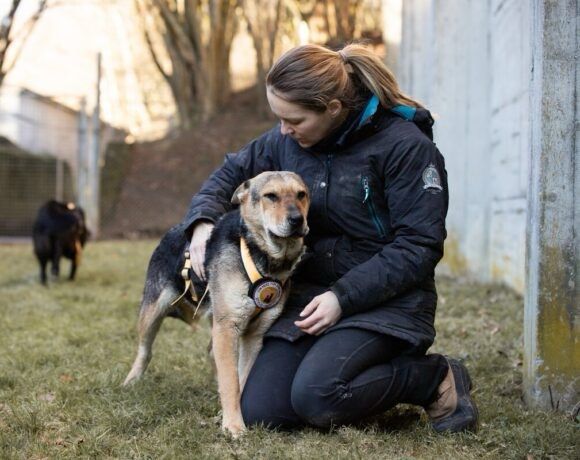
[[66, 349]]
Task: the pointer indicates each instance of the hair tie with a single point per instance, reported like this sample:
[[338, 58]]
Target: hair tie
[[347, 66]]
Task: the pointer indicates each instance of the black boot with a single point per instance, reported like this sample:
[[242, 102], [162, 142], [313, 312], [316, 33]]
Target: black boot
[[454, 409]]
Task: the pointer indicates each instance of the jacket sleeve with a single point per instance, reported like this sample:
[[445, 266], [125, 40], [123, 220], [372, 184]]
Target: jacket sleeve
[[214, 198], [417, 198]]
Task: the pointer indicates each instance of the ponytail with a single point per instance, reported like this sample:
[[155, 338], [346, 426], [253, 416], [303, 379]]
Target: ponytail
[[375, 76]]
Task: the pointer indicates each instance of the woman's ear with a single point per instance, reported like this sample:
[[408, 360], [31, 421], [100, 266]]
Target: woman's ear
[[241, 193], [334, 107]]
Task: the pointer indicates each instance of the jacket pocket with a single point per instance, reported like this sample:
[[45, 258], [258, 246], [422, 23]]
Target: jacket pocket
[[368, 200]]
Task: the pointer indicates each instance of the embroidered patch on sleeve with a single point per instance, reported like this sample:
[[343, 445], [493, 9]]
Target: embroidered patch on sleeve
[[432, 179]]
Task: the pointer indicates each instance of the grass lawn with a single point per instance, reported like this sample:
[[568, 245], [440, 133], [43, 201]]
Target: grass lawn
[[65, 350]]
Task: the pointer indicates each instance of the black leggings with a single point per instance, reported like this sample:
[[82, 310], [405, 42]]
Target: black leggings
[[337, 378]]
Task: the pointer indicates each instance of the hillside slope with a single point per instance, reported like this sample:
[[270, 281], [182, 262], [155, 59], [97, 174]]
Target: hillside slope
[[163, 175]]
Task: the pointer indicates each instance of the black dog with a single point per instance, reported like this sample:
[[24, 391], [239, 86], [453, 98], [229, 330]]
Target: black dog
[[59, 231]]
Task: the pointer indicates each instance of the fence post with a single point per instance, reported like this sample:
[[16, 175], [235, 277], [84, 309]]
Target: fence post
[[82, 154], [552, 304], [59, 192], [95, 161]]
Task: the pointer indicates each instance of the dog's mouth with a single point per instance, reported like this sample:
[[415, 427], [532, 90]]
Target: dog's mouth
[[296, 233]]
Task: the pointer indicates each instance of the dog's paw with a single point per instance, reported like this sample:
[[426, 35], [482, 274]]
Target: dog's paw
[[234, 429], [131, 379]]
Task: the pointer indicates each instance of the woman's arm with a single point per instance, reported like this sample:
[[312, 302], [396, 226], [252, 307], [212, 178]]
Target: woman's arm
[[214, 197], [417, 208]]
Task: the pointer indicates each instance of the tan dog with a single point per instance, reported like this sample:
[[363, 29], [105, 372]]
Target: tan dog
[[250, 257]]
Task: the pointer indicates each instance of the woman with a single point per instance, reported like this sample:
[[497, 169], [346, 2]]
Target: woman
[[360, 318]]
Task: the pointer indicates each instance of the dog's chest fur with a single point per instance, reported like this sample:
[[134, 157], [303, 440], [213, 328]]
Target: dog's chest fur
[[224, 264]]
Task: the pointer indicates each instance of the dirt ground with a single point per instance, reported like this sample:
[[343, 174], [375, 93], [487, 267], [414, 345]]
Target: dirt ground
[[163, 175]]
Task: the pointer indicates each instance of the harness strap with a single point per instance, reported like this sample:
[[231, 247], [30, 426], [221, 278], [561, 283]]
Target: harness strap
[[189, 285], [249, 266], [187, 279]]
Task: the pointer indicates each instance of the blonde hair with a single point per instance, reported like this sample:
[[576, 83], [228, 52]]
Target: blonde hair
[[312, 76]]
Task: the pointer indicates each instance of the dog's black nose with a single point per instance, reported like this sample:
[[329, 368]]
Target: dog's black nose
[[296, 220]]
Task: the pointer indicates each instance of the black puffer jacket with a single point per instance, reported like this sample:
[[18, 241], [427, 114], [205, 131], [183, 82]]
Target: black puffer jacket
[[377, 219]]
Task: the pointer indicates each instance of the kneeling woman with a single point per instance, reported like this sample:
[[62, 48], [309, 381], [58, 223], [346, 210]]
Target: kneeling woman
[[353, 338]]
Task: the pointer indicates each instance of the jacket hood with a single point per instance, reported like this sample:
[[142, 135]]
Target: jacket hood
[[420, 116]]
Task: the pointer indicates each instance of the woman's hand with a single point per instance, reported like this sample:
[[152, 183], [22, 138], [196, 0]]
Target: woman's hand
[[321, 313], [201, 233]]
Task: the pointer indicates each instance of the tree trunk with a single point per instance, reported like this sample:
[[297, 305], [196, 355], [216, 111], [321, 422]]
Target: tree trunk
[[263, 18], [196, 37]]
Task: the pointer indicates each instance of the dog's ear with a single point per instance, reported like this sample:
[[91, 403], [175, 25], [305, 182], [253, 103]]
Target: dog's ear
[[241, 193]]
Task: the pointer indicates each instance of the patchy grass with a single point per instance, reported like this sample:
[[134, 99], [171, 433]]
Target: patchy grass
[[66, 349]]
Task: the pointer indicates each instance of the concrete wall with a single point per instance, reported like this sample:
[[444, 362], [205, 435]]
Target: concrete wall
[[469, 62], [502, 77]]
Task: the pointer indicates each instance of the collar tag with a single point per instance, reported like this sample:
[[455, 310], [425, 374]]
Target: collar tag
[[266, 292]]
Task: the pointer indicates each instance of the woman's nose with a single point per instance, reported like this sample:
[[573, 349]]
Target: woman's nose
[[285, 129]]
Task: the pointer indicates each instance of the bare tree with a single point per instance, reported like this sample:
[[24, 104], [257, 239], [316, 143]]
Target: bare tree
[[14, 40], [190, 42], [333, 22], [264, 18], [345, 18]]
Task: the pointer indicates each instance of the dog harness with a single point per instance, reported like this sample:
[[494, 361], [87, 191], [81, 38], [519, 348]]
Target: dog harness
[[266, 292], [189, 284]]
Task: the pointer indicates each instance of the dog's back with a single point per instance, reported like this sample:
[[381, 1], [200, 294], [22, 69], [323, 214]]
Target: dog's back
[[59, 231]]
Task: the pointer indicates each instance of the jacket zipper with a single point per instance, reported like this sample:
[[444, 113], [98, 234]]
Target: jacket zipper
[[368, 199]]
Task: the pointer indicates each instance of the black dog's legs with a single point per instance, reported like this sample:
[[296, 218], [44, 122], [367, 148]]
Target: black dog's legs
[[73, 269], [56, 255], [43, 262]]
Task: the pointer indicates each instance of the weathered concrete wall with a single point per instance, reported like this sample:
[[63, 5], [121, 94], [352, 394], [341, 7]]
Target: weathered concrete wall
[[502, 76], [552, 315], [469, 62]]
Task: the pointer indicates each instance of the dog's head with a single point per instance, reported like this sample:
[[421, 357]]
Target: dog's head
[[274, 204]]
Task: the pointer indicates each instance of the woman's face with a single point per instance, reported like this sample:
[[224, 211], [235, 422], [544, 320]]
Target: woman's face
[[305, 126]]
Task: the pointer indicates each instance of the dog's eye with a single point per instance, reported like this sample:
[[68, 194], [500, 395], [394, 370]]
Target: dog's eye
[[301, 195], [271, 196]]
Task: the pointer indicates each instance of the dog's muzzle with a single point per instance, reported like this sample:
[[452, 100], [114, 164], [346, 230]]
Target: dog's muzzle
[[294, 227]]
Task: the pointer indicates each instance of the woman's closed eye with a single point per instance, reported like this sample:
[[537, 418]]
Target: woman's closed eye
[[291, 122]]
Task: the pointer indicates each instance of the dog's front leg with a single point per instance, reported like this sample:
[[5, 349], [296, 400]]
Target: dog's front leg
[[251, 342], [225, 337], [250, 346]]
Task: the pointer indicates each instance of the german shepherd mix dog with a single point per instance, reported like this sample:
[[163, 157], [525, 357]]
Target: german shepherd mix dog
[[250, 257], [59, 231]]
